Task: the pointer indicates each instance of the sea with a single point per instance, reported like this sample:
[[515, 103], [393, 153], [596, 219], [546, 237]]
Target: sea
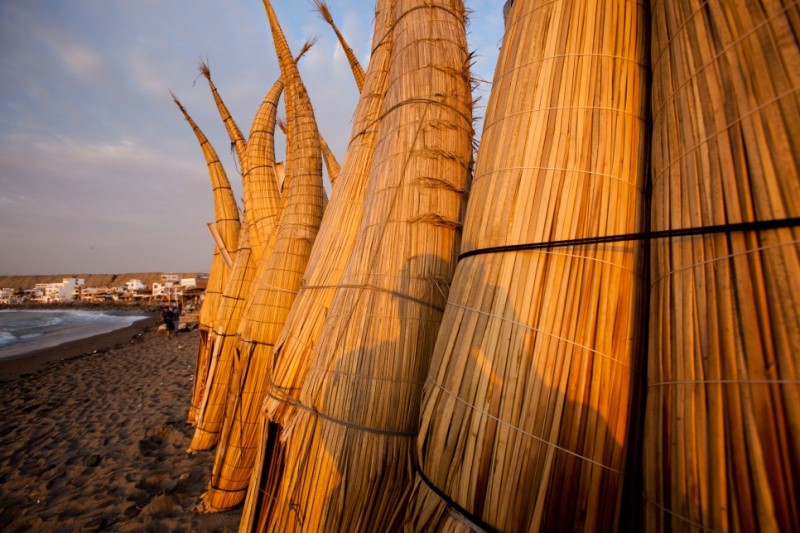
[[28, 330]]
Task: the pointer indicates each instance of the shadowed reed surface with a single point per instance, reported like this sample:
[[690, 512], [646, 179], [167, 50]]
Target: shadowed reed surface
[[722, 430], [530, 399]]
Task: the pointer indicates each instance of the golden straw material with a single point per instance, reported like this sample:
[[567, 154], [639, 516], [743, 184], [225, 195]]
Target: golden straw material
[[332, 249], [355, 66], [276, 288], [237, 139], [327, 155], [721, 447], [330, 161], [222, 342], [263, 199], [531, 395], [222, 338], [226, 215], [349, 445]]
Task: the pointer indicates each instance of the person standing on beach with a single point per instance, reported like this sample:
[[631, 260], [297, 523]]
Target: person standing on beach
[[176, 318], [168, 317]]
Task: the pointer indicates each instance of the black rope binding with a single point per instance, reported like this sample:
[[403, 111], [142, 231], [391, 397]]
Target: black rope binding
[[474, 520], [754, 225]]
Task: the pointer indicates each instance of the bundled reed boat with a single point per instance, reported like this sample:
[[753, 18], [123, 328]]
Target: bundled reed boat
[[531, 400], [227, 224], [274, 287], [329, 256], [722, 430], [349, 444]]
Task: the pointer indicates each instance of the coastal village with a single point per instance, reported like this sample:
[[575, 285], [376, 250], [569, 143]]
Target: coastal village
[[145, 289], [585, 320]]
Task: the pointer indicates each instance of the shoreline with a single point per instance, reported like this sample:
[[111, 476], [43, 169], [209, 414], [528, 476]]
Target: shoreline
[[93, 436], [15, 366]]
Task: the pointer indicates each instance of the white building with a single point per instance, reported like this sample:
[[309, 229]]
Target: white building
[[59, 292], [168, 290], [188, 283], [7, 295], [135, 285]]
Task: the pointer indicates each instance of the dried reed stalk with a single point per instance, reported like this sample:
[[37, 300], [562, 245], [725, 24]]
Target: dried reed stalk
[[276, 288], [330, 161], [237, 139], [722, 429], [226, 214], [331, 164], [332, 249], [349, 447], [355, 66], [211, 385], [529, 398], [206, 361], [264, 202], [211, 408]]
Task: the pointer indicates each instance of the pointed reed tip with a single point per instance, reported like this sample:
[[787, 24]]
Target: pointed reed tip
[[307, 46], [323, 10], [205, 70], [175, 99], [282, 124]]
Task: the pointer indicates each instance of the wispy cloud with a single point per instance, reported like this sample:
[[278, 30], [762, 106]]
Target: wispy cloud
[[93, 152]]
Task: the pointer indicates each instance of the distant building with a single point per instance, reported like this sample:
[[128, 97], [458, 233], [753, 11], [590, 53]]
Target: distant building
[[135, 285], [188, 283], [100, 294], [8, 296], [33, 295], [167, 291], [64, 291]]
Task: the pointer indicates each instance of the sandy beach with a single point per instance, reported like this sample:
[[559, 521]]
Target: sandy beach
[[93, 437]]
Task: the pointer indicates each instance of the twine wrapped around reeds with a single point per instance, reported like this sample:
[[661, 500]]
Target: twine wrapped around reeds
[[275, 291], [530, 396], [226, 214], [349, 445], [237, 139], [355, 66], [331, 164], [329, 256], [264, 202], [722, 431], [222, 342], [261, 151], [205, 360]]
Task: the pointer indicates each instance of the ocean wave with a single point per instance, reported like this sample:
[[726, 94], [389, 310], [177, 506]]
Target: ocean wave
[[7, 337]]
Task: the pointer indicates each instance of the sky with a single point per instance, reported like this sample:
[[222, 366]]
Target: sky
[[100, 173]]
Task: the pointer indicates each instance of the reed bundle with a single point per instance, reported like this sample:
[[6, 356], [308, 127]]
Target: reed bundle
[[237, 139], [334, 169], [355, 66], [223, 337], [222, 344], [206, 361], [226, 214], [327, 155], [349, 445], [529, 399], [275, 289], [223, 340], [265, 202], [329, 256], [722, 427]]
